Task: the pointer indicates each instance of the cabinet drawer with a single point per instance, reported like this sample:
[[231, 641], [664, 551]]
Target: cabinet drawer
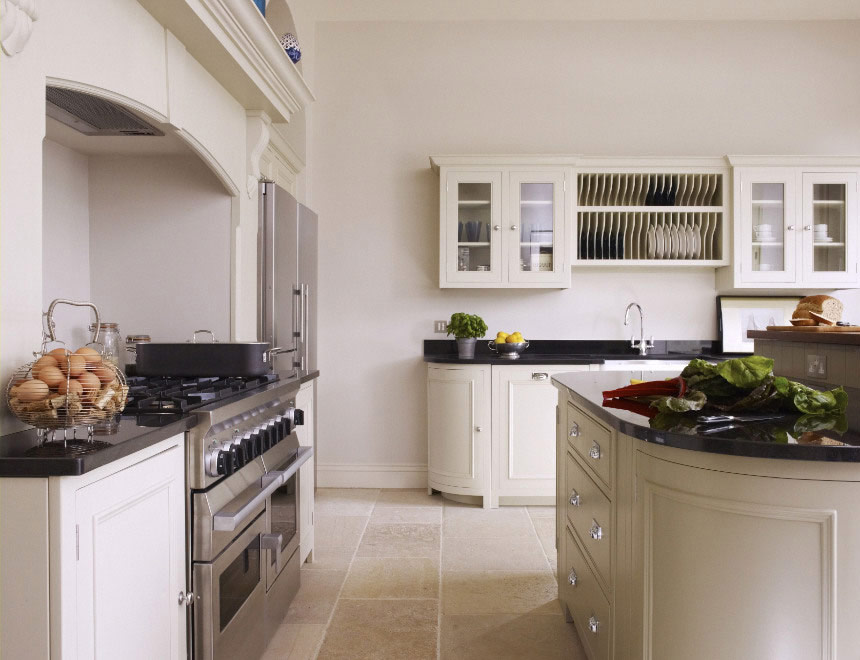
[[592, 442], [585, 600], [590, 514]]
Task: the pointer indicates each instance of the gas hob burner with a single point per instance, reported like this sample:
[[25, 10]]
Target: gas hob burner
[[166, 396]]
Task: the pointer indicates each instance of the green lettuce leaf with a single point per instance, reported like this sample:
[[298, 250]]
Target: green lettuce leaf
[[807, 400], [747, 372], [693, 400]]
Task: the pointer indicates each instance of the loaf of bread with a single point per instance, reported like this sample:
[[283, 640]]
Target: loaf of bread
[[825, 310]]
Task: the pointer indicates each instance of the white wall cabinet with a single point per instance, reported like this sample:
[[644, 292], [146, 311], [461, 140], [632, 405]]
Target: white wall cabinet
[[504, 223], [459, 426], [306, 400], [795, 228]]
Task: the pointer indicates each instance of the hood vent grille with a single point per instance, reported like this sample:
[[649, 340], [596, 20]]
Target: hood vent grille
[[91, 115]]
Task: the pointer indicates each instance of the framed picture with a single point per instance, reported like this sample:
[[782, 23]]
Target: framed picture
[[738, 314]]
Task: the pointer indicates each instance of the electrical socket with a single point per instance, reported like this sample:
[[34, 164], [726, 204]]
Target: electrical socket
[[440, 326], [816, 366]]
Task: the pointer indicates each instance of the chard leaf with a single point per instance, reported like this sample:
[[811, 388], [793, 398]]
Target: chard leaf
[[746, 372], [693, 400]]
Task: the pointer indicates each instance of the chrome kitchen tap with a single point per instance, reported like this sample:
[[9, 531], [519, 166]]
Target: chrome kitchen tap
[[643, 346]]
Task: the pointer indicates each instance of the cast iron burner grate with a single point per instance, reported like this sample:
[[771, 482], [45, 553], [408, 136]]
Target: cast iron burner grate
[[160, 395], [66, 448]]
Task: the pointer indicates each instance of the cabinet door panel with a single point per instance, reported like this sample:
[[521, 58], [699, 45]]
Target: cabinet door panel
[[472, 227], [524, 403], [829, 228], [535, 231], [131, 565], [768, 225], [458, 426]]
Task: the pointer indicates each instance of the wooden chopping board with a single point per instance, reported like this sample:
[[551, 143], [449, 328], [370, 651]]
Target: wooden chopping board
[[815, 328]]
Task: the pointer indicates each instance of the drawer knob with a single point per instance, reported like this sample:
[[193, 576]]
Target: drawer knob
[[575, 498], [574, 430], [540, 375], [572, 579], [479, 428], [594, 452], [596, 531], [593, 624]]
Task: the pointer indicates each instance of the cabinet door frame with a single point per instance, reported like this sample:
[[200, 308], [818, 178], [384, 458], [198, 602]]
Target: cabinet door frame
[[560, 266], [806, 257], [478, 480], [787, 176], [448, 227]]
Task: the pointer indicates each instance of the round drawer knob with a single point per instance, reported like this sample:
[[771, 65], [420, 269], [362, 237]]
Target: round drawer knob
[[575, 498], [596, 531], [572, 579], [593, 624], [594, 452], [574, 430]]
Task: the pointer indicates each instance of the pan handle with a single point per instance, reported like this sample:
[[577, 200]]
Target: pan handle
[[208, 332]]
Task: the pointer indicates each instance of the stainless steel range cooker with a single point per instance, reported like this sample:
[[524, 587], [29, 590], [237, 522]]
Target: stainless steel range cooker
[[242, 470]]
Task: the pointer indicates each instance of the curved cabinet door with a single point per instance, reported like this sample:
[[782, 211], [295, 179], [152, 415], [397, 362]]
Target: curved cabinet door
[[458, 432]]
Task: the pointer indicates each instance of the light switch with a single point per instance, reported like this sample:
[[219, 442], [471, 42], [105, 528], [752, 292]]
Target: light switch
[[816, 366], [440, 326]]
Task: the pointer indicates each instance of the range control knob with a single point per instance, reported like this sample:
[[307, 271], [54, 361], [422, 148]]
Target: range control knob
[[282, 428], [249, 444], [296, 416], [225, 464], [239, 457]]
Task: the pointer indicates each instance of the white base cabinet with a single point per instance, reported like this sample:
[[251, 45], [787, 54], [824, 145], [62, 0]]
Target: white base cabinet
[[306, 400], [491, 431], [93, 566]]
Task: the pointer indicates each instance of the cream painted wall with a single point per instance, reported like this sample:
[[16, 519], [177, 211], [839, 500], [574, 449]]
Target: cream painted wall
[[66, 240], [390, 94], [160, 251]]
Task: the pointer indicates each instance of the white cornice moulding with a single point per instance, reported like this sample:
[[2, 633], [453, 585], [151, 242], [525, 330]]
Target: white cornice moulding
[[16, 24], [503, 159], [233, 41], [794, 161]]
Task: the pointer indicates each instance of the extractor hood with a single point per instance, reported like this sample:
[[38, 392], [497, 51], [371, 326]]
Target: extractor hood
[[94, 116]]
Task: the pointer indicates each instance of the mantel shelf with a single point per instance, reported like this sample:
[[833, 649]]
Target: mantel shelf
[[235, 44]]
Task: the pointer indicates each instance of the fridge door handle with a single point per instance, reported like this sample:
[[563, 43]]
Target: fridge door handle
[[306, 294], [298, 309]]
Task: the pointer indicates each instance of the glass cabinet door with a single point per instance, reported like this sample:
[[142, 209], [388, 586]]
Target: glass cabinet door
[[473, 227], [536, 227], [767, 226], [829, 250]]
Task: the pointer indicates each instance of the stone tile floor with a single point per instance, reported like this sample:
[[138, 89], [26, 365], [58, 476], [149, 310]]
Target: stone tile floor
[[400, 574]]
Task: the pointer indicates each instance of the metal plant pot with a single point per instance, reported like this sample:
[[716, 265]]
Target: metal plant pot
[[466, 348]]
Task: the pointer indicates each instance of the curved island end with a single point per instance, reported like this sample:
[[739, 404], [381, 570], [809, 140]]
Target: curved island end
[[702, 544]]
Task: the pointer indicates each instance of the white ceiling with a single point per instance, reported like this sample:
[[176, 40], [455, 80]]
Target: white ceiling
[[573, 10]]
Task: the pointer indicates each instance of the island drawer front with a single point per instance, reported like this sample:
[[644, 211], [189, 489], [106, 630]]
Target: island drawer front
[[591, 441], [585, 600], [589, 512]]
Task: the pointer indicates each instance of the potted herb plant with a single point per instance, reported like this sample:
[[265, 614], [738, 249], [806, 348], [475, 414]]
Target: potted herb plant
[[467, 328]]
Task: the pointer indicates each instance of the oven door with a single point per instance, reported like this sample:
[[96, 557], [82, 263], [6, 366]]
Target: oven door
[[283, 512], [229, 610]]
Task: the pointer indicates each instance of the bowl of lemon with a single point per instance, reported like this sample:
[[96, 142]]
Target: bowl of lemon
[[509, 346]]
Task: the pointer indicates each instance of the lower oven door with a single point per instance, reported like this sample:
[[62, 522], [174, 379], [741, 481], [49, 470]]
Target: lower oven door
[[229, 609], [283, 512]]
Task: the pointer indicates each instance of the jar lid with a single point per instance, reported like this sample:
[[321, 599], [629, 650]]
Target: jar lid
[[105, 326], [137, 339]]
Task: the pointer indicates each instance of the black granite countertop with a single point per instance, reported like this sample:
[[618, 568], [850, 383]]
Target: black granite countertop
[[133, 435], [779, 438], [551, 351]]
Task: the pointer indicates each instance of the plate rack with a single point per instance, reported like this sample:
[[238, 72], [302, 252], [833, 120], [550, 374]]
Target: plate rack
[[651, 218]]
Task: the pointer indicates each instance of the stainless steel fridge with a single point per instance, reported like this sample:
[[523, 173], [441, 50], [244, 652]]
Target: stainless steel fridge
[[287, 283]]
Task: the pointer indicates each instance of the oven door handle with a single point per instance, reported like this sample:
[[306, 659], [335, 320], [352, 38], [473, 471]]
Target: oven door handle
[[229, 519]]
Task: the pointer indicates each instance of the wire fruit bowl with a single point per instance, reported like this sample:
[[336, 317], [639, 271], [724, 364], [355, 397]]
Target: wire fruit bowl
[[61, 389], [509, 351]]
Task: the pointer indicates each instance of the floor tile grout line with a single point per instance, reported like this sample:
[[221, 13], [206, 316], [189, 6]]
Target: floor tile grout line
[[345, 578], [542, 549]]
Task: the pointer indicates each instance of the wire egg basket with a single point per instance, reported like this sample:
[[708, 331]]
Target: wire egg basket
[[62, 389]]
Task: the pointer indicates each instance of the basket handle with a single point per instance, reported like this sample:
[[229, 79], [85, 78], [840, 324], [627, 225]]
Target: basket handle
[[50, 316]]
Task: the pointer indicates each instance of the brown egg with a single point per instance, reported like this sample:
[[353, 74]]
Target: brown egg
[[91, 355], [90, 385], [33, 390], [52, 376], [104, 373], [74, 365], [72, 386], [59, 353], [44, 361]]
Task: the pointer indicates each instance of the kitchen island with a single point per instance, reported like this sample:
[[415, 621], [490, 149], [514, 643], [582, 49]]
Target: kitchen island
[[693, 542]]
